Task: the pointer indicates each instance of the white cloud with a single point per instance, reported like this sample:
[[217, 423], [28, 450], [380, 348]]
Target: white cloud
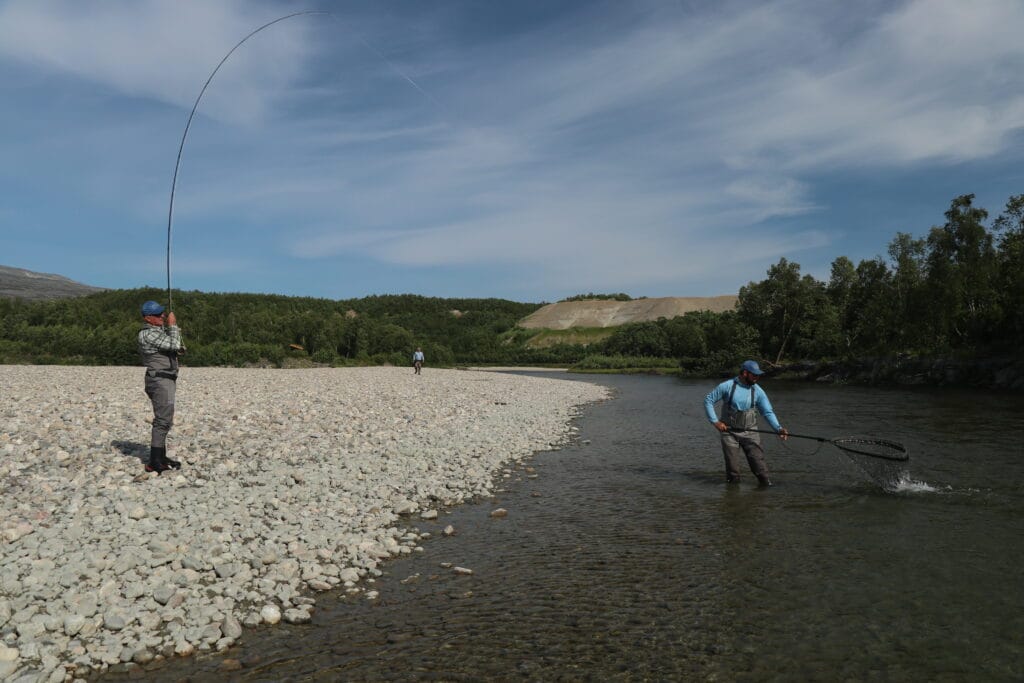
[[635, 144], [161, 50], [931, 80]]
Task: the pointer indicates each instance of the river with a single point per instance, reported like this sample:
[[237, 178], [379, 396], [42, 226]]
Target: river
[[625, 556]]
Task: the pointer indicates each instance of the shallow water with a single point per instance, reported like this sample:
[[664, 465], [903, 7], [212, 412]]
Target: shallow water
[[628, 558]]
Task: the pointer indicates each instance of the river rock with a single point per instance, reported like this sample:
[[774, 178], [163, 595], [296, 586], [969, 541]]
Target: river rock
[[162, 594], [293, 480], [270, 614], [231, 628], [297, 616], [113, 621], [349, 574], [226, 570], [73, 623]]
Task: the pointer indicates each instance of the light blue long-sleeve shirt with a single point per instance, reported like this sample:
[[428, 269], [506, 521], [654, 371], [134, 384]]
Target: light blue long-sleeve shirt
[[740, 401]]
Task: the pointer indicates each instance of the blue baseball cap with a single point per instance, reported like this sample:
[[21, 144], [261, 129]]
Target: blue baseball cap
[[152, 308], [752, 367]]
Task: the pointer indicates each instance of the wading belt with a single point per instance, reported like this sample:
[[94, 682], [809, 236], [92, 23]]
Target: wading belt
[[160, 373]]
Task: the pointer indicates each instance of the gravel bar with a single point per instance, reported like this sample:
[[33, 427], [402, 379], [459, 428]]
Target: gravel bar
[[293, 482]]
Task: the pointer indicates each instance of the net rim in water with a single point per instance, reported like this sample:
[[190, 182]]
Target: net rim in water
[[873, 448]]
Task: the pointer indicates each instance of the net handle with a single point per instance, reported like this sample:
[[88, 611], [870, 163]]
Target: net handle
[[842, 445], [772, 431]]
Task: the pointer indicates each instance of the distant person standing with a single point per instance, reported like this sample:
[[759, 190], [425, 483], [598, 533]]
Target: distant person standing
[[741, 400], [417, 360], [159, 346]]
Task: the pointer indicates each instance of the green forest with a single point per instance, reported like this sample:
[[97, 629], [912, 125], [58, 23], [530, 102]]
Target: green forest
[[958, 289]]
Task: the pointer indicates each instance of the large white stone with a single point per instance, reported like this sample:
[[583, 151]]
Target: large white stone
[[270, 614]]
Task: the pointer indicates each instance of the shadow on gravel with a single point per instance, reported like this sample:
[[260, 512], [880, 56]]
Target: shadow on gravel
[[132, 449]]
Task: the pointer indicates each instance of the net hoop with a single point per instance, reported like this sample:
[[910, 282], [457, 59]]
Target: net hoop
[[873, 448]]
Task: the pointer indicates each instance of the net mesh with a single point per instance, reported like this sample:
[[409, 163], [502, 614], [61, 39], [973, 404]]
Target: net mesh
[[873, 448], [884, 461]]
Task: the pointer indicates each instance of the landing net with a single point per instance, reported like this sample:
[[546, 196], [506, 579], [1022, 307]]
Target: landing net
[[884, 461], [873, 448]]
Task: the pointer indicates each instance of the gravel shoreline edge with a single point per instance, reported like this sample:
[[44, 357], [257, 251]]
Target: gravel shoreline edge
[[293, 483]]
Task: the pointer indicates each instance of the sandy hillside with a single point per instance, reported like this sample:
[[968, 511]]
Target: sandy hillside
[[602, 313]]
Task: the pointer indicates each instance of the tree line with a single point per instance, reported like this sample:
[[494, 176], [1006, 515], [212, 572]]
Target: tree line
[[245, 329], [958, 289]]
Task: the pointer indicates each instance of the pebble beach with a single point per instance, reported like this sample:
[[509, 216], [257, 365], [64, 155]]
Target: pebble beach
[[293, 482]]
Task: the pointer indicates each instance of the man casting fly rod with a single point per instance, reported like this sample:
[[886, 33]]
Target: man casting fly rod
[[741, 400], [159, 346]]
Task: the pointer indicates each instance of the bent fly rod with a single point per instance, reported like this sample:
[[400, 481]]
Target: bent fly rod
[[188, 124]]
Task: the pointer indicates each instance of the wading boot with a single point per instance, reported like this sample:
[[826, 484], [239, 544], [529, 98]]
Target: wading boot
[[156, 460], [168, 463], [764, 482]]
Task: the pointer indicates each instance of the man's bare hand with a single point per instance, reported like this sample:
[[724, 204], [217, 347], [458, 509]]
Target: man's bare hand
[[721, 426], [783, 433], [171, 320]]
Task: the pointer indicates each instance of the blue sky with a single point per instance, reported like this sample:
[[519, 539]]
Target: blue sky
[[522, 150]]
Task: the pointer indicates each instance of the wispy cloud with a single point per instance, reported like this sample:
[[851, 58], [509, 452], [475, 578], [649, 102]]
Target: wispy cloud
[[620, 145], [161, 50]]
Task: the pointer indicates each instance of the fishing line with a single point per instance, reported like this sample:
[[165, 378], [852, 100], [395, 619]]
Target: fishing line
[[408, 79], [195, 107]]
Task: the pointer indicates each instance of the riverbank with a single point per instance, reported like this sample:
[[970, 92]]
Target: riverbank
[[292, 483], [1006, 373], [1002, 373]]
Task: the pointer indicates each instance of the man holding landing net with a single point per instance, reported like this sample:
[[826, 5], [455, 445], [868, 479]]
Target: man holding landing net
[[741, 400]]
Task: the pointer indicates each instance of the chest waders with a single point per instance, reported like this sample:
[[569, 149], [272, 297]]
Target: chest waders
[[740, 419], [746, 442], [160, 387]]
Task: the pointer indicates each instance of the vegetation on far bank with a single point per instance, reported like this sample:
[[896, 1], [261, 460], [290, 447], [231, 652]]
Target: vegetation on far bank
[[955, 291], [543, 338]]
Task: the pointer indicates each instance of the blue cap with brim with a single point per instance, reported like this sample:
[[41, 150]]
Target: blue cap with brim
[[152, 308], [752, 367]]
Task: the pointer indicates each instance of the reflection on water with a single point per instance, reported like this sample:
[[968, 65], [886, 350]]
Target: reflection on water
[[628, 558]]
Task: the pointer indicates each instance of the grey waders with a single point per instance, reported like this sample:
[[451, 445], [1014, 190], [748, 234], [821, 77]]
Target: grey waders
[[742, 441]]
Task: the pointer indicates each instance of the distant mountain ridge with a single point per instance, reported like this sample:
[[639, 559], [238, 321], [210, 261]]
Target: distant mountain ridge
[[18, 283], [611, 313]]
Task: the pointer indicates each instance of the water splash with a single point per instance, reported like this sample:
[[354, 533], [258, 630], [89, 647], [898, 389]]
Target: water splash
[[904, 484]]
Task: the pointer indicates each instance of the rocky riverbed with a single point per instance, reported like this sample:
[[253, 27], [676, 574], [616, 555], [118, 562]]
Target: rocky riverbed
[[293, 482]]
